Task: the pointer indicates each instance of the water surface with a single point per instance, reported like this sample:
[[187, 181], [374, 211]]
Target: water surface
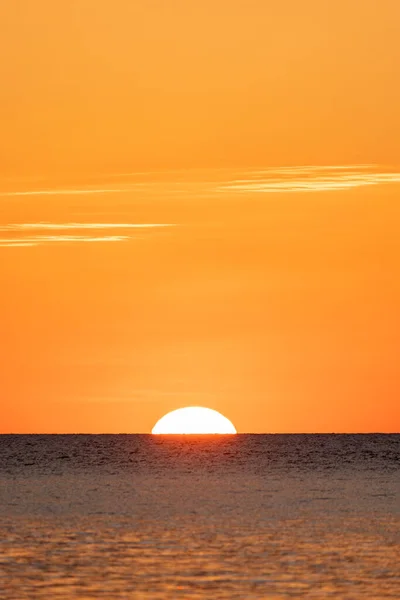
[[247, 516]]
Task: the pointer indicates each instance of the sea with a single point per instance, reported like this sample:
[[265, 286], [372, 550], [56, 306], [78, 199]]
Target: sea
[[214, 517]]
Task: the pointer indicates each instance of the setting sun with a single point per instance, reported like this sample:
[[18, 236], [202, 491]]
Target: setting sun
[[194, 420]]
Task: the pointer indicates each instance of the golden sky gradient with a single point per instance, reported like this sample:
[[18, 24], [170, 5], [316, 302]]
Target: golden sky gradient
[[199, 204]]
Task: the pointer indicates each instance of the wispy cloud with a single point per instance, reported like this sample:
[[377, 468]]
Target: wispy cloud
[[43, 239], [304, 178], [18, 244], [310, 179], [34, 234], [66, 192], [213, 183], [81, 226]]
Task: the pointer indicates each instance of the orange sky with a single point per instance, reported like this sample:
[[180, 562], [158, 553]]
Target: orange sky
[[155, 248]]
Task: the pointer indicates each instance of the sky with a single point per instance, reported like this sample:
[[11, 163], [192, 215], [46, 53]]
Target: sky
[[199, 205]]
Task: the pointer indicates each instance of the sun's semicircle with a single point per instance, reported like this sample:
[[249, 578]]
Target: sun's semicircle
[[194, 420]]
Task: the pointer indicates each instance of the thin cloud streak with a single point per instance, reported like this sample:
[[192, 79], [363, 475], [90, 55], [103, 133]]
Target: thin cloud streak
[[302, 178], [41, 238], [16, 244], [81, 226], [46, 239], [311, 179], [67, 192]]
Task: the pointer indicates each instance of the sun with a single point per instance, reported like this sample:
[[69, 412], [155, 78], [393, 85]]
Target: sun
[[194, 420]]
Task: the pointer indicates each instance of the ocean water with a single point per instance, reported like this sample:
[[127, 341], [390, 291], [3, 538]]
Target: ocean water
[[246, 516]]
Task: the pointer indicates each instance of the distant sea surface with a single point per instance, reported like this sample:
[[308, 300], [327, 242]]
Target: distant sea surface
[[235, 517]]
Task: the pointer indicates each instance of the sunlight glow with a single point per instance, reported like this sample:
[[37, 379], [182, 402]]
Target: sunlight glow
[[193, 420]]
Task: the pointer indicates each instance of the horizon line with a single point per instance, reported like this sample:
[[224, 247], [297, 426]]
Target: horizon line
[[213, 434]]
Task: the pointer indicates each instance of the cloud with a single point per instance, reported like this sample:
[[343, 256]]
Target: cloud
[[66, 192], [42, 239], [303, 178], [18, 244], [207, 183], [60, 226], [310, 179], [35, 234]]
